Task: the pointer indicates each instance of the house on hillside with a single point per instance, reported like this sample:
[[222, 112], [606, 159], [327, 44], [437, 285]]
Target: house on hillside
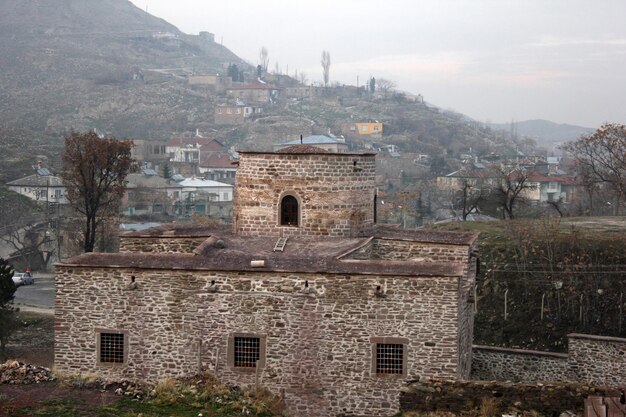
[[328, 143], [217, 83], [304, 293], [218, 166], [546, 188], [42, 186], [148, 194], [234, 115], [255, 93], [363, 128], [186, 154]]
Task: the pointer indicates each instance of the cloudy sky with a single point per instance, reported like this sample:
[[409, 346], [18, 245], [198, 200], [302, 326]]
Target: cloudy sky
[[493, 60]]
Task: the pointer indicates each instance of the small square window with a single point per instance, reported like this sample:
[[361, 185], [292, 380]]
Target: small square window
[[246, 351], [111, 347], [389, 358]]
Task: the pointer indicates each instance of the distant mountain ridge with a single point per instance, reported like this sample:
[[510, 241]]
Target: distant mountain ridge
[[545, 132]]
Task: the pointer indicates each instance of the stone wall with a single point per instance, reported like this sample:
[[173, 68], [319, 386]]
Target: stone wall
[[404, 250], [160, 244], [318, 338], [517, 365], [335, 193], [590, 359], [597, 359]]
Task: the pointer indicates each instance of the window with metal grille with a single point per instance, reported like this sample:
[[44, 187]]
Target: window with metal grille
[[389, 358], [112, 347], [247, 351], [289, 211]]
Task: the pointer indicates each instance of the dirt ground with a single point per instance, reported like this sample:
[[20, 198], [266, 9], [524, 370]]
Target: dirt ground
[[33, 343]]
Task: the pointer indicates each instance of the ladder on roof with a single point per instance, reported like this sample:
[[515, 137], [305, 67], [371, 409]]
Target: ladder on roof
[[280, 244]]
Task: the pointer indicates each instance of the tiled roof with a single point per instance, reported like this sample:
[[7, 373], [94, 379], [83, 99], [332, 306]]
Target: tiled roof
[[38, 181], [302, 149], [216, 160]]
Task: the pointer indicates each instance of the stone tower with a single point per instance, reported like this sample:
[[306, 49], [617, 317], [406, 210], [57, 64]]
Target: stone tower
[[304, 191]]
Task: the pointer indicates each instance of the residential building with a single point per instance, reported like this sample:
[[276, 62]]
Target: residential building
[[255, 93], [41, 186], [237, 114], [363, 128]]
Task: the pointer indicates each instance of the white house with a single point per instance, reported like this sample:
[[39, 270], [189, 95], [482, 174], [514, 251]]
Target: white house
[[42, 186]]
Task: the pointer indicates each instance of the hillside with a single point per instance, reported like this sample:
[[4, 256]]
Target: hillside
[[107, 65], [545, 132], [82, 64]]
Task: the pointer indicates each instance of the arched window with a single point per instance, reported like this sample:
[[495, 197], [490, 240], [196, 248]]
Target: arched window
[[289, 212]]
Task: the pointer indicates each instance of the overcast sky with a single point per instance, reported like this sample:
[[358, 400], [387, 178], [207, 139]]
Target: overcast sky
[[493, 60]]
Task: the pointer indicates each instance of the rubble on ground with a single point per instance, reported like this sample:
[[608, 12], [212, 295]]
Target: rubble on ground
[[18, 373]]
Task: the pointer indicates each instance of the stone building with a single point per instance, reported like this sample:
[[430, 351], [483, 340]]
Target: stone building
[[304, 292]]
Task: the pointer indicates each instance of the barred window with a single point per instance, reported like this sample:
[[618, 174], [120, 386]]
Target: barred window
[[389, 358], [112, 347], [247, 351]]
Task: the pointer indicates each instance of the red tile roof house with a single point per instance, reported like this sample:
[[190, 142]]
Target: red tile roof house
[[304, 292]]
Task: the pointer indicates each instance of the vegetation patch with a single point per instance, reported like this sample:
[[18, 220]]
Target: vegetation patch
[[542, 279]]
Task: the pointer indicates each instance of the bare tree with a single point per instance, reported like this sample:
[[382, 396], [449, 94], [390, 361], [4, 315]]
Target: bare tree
[[326, 66], [302, 77], [385, 86], [510, 190], [471, 195], [94, 173], [601, 157], [264, 59]]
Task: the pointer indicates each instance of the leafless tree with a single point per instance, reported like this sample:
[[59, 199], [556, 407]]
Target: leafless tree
[[302, 77], [264, 59], [510, 190], [326, 66], [471, 195], [601, 157], [385, 86]]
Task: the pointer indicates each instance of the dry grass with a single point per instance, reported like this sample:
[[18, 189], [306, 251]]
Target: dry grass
[[489, 407]]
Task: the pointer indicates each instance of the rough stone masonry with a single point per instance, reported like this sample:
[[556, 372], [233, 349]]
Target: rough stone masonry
[[337, 322]]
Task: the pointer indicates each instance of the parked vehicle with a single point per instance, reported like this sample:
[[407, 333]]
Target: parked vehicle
[[23, 278]]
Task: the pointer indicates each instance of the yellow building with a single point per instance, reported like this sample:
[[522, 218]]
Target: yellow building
[[367, 128]]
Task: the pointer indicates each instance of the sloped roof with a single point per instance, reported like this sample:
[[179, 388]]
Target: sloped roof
[[302, 149], [314, 140], [149, 181], [38, 181], [216, 160], [212, 144], [202, 183]]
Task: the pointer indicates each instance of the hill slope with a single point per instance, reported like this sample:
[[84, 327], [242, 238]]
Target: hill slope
[[82, 64], [546, 132]]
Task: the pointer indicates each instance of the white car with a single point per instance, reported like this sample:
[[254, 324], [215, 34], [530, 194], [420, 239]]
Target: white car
[[23, 278]]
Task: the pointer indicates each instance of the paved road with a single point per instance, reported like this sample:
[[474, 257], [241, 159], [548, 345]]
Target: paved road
[[38, 297]]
